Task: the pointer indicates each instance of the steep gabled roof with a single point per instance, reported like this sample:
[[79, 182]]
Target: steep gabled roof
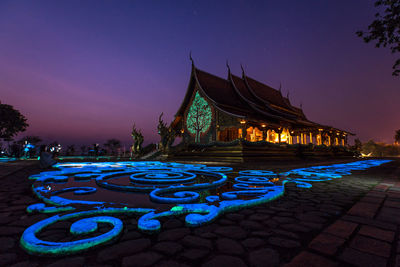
[[214, 88], [266, 93], [243, 90], [220, 91], [245, 98]]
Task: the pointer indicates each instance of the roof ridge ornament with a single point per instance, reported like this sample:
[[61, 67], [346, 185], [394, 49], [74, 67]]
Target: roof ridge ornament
[[280, 87], [229, 69], [243, 74], [190, 57]]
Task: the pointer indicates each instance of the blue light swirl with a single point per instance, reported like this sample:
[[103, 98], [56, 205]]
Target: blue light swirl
[[165, 182]]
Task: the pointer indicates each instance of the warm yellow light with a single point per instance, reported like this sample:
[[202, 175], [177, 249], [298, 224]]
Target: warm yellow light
[[320, 130], [182, 131], [263, 125], [284, 137], [242, 121]]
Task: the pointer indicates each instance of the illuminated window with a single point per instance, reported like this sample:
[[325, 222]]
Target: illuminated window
[[254, 134], [285, 135]]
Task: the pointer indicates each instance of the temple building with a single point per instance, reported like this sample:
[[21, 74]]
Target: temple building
[[218, 110]]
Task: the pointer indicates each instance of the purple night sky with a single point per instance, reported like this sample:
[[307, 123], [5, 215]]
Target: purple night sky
[[85, 71]]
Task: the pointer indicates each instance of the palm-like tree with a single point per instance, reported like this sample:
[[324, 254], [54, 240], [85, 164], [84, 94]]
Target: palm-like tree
[[397, 137]]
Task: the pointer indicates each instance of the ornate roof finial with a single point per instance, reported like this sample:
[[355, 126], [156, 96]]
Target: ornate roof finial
[[190, 57], [301, 105], [241, 66], [229, 69], [287, 95], [280, 87]]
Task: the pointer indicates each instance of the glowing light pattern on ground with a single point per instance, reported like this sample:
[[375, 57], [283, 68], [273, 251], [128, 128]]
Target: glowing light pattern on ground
[[178, 185], [7, 159]]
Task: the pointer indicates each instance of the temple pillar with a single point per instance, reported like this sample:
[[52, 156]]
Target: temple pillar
[[311, 141], [244, 131], [297, 139], [240, 133], [319, 139], [279, 132], [342, 141], [301, 138]]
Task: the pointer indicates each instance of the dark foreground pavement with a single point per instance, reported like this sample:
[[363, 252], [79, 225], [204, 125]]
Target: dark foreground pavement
[[353, 221]]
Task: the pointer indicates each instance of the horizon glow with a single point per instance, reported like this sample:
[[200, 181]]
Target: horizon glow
[[84, 72]]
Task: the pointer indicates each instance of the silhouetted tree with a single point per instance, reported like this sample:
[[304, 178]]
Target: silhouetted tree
[[357, 147], [397, 137], [113, 145], [380, 149], [385, 29], [11, 122]]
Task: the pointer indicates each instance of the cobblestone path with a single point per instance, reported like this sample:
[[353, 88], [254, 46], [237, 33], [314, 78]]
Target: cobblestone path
[[351, 221]]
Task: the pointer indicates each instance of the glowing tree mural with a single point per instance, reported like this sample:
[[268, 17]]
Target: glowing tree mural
[[199, 117]]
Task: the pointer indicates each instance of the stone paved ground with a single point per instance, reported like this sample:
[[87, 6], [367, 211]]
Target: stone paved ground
[[352, 221]]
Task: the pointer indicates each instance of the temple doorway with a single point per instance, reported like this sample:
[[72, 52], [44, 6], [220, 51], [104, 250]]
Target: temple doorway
[[228, 134]]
